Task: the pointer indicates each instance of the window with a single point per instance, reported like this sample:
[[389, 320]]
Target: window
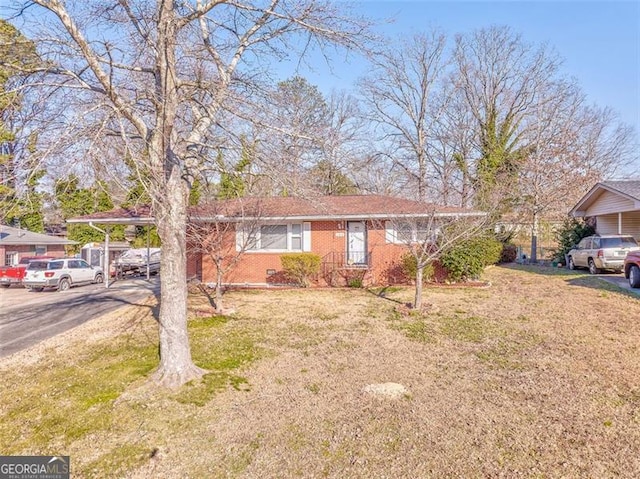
[[40, 250], [273, 237], [585, 243], [296, 237], [276, 237], [411, 231], [11, 259]]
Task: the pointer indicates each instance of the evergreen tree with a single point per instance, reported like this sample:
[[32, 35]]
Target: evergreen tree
[[73, 200], [17, 55]]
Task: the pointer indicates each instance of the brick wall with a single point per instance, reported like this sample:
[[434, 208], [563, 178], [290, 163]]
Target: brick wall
[[57, 251], [326, 237]]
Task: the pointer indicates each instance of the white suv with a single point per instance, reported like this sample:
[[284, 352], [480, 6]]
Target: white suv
[[61, 274]]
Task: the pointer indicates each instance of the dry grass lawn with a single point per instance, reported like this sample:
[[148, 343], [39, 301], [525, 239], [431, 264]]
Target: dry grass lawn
[[535, 376]]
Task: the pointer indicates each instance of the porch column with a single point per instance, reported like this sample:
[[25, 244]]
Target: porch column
[[620, 223]]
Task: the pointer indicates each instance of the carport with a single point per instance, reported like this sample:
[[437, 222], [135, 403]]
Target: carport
[[139, 216], [615, 206]]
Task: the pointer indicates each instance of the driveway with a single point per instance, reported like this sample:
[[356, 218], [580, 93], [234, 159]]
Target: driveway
[[619, 280], [27, 318]]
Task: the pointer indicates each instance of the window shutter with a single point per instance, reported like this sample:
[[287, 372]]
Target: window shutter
[[390, 233], [306, 236], [239, 238]]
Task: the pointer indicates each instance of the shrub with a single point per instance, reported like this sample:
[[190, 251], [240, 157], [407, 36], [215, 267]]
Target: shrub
[[509, 253], [572, 231], [300, 267], [468, 258], [410, 266]]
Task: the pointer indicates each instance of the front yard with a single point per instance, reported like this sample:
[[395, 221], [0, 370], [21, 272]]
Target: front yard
[[536, 376]]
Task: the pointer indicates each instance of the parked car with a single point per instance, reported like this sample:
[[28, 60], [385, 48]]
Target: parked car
[[134, 262], [61, 274], [632, 268], [601, 252], [14, 274]]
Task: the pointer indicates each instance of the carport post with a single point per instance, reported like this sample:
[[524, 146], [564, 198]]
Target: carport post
[[619, 223], [105, 274], [148, 248]]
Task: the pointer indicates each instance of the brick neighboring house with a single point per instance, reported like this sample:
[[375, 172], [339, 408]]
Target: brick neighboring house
[[17, 243], [355, 235]]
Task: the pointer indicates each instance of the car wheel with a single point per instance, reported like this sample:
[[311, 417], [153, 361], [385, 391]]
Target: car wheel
[[592, 267], [64, 284], [99, 279], [634, 277], [6, 285], [571, 263]]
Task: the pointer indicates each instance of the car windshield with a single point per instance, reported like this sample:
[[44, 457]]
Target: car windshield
[[621, 242], [37, 265]]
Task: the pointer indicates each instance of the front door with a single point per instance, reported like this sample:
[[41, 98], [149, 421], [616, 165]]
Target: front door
[[356, 242]]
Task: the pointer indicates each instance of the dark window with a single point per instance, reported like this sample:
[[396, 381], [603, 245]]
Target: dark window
[[622, 242], [38, 265]]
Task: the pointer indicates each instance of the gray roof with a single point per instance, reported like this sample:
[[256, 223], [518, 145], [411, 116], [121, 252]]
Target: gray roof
[[17, 236], [628, 187]]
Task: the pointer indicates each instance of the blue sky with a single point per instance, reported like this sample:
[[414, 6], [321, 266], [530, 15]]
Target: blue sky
[[598, 40]]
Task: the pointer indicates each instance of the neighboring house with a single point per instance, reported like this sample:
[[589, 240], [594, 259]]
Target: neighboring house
[[614, 206], [17, 243], [356, 236]]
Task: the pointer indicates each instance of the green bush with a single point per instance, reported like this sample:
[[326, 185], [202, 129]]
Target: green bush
[[300, 267], [572, 231], [467, 259], [509, 253], [409, 268]]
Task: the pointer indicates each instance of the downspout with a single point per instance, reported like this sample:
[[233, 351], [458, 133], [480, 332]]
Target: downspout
[[105, 270]]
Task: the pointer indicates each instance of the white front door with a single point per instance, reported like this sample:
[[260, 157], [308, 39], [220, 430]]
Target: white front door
[[356, 242]]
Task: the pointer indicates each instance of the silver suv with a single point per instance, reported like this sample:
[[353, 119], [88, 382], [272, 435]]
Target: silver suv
[[601, 252], [61, 274]]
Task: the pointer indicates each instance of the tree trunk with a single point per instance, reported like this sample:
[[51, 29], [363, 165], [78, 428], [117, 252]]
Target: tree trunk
[[417, 303], [534, 238], [219, 277], [176, 367]]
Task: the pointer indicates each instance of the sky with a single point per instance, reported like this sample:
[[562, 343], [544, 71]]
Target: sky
[[598, 40]]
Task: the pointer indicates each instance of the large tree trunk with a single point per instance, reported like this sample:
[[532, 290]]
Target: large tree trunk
[[171, 200], [176, 366]]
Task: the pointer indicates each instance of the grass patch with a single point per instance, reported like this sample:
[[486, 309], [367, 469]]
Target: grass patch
[[63, 404], [506, 352], [118, 461], [221, 350], [465, 328], [418, 330]]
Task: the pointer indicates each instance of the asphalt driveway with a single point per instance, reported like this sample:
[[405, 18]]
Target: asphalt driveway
[[619, 280], [27, 318]]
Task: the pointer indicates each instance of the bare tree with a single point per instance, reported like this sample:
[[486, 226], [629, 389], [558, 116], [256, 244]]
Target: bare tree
[[401, 93], [157, 76], [571, 147], [224, 231], [427, 237], [499, 77]]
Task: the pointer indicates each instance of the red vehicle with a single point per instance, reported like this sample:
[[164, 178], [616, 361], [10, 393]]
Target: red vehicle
[[14, 274], [632, 268]]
